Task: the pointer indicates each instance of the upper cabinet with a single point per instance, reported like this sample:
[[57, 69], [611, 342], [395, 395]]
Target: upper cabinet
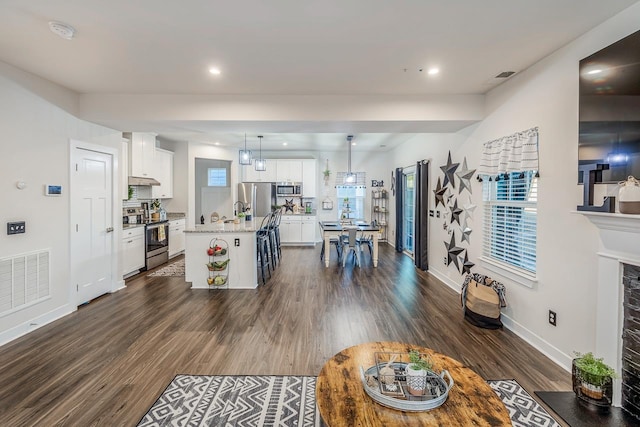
[[163, 172], [250, 174], [289, 171], [142, 153], [124, 169], [309, 178]]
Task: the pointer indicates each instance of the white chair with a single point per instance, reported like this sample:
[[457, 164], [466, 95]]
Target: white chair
[[351, 244]]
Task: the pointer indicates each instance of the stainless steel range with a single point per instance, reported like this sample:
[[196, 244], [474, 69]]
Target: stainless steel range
[[156, 243]]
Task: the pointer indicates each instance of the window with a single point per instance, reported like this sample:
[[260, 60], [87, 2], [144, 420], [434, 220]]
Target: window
[[217, 177], [510, 219], [351, 201]]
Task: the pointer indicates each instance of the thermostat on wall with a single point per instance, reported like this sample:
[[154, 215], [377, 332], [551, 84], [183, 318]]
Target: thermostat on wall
[[53, 190]]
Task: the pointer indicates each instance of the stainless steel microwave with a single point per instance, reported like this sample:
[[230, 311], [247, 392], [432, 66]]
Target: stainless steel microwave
[[290, 189]]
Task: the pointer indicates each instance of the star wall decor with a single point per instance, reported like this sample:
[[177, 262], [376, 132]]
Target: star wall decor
[[468, 209], [449, 172], [439, 192], [466, 264], [465, 175], [466, 233], [453, 251], [455, 212], [449, 197]]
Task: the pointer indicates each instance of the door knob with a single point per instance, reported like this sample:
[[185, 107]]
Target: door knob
[[109, 229]]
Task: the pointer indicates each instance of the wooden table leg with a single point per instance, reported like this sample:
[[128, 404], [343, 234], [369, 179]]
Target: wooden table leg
[[327, 249], [375, 248]]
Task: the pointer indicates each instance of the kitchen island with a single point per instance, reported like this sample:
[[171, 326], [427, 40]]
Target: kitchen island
[[240, 240]]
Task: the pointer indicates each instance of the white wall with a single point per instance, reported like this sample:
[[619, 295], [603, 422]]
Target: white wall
[[35, 149], [545, 95]]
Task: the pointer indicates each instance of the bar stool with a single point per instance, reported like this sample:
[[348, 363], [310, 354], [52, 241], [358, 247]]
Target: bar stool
[[263, 246], [273, 244]]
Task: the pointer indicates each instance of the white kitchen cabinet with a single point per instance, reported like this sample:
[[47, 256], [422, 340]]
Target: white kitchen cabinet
[[291, 229], [309, 177], [308, 229], [132, 249], [250, 174], [124, 169], [142, 152], [163, 172], [289, 171], [176, 236]]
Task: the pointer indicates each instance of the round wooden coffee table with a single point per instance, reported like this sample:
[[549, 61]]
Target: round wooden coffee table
[[342, 400]]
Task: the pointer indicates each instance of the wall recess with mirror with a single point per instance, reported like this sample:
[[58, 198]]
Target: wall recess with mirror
[[609, 131]]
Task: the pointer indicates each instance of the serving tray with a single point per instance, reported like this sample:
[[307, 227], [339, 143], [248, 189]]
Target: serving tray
[[436, 395]]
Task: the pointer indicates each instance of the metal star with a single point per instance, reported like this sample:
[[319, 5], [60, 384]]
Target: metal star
[[455, 213], [465, 176], [466, 264], [466, 232], [439, 192], [469, 208], [449, 197], [449, 170], [453, 251]]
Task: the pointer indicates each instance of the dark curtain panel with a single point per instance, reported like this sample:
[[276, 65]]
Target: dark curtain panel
[[421, 217], [399, 210]]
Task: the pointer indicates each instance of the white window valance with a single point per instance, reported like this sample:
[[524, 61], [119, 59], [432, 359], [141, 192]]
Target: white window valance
[[513, 153]]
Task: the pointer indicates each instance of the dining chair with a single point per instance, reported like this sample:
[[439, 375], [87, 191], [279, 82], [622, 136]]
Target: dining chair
[[351, 245], [333, 241]]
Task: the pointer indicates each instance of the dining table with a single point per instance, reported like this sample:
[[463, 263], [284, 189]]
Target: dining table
[[336, 229]]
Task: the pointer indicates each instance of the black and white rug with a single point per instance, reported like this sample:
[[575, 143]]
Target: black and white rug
[[202, 400], [523, 409], [173, 269]]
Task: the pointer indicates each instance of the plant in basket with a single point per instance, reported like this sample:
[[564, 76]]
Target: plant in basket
[[416, 373], [592, 378]]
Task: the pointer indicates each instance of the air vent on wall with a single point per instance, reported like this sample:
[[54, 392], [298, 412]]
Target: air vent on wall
[[505, 74]]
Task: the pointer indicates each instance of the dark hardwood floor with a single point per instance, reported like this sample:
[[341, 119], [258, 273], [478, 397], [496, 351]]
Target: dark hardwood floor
[[107, 363]]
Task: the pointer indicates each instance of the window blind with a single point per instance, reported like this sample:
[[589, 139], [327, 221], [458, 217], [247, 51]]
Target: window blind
[[510, 219]]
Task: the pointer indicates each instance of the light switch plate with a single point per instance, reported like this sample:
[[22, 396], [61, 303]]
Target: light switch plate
[[17, 227]]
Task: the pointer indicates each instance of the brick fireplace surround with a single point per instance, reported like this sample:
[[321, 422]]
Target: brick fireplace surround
[[619, 247]]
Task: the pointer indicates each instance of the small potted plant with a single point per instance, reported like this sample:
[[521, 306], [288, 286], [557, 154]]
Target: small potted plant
[[326, 173], [592, 379], [416, 373]]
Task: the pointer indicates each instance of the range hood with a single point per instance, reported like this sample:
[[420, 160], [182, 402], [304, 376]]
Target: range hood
[[138, 180]]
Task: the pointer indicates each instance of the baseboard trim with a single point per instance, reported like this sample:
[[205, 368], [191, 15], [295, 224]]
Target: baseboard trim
[[120, 286], [543, 346], [36, 323]]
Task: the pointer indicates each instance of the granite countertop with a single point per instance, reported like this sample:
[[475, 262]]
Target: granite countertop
[[230, 227], [176, 215], [129, 226]]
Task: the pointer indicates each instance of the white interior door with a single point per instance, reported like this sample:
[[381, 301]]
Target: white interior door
[[91, 223]]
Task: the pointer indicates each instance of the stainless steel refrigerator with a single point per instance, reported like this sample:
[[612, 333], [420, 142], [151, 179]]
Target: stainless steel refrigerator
[[258, 195]]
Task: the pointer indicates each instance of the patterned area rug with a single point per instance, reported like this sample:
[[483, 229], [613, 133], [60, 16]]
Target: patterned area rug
[[523, 409], [173, 269], [202, 400]]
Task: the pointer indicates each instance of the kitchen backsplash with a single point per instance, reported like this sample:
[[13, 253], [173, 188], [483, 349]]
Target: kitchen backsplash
[[134, 201]]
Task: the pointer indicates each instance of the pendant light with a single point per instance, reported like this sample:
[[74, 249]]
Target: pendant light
[[261, 164], [245, 155], [350, 177]]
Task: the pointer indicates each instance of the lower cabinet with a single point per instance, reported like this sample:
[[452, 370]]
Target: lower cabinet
[[298, 229], [176, 237], [132, 249]]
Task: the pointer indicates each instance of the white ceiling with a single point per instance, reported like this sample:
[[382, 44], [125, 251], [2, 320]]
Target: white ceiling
[[289, 47]]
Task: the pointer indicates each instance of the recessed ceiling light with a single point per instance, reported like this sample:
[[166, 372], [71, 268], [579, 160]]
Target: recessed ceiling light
[[217, 143], [433, 71], [215, 71], [285, 143], [65, 31]]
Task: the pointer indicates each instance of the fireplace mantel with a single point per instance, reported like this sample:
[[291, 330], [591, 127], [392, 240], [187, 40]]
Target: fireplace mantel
[[614, 221]]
